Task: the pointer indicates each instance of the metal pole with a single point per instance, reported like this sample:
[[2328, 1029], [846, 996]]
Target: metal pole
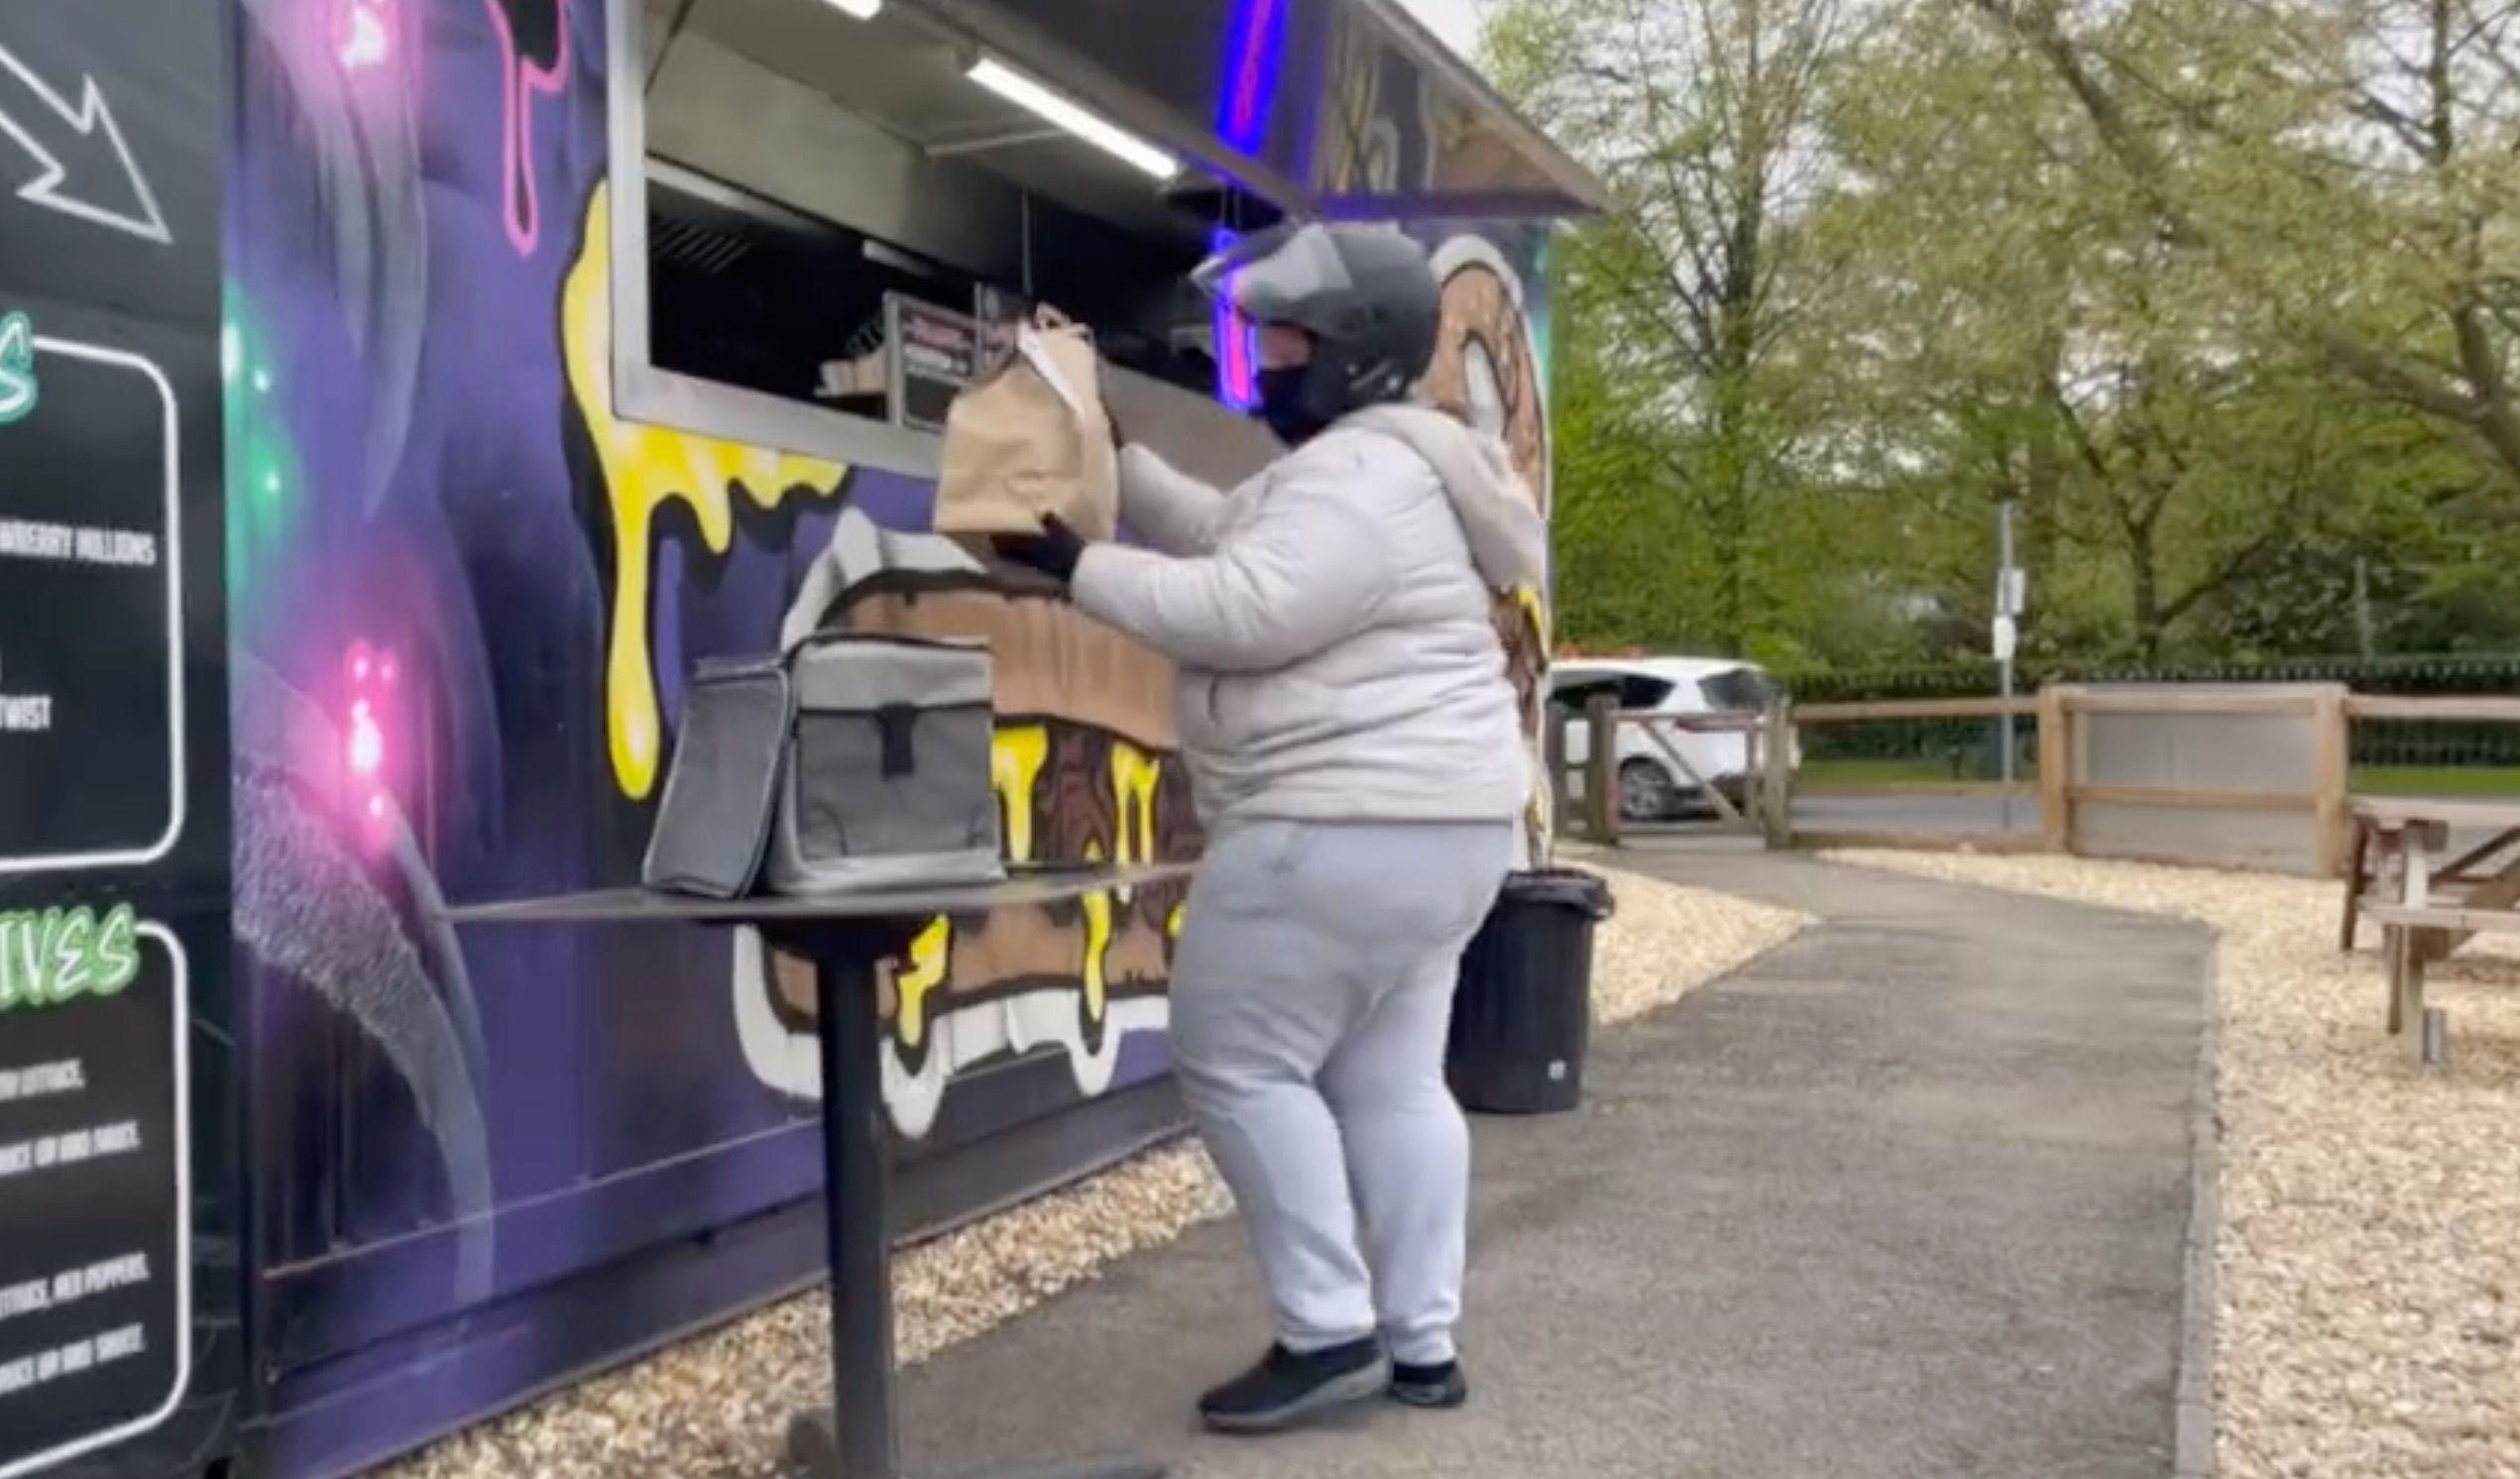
[[856, 1437], [857, 1236], [2005, 614]]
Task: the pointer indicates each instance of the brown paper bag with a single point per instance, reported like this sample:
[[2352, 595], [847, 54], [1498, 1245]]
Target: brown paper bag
[[1031, 439]]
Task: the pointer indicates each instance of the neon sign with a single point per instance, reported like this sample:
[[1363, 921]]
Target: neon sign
[[1255, 40], [1237, 355]]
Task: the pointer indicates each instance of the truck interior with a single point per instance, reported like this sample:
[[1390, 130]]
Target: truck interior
[[803, 162]]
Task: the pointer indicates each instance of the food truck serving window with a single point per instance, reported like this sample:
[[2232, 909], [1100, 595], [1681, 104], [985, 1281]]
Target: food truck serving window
[[820, 222], [746, 295]]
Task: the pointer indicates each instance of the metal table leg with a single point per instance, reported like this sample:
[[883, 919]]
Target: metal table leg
[[856, 1438]]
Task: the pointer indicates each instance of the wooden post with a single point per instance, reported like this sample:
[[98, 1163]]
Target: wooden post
[[1553, 750], [1756, 750], [2056, 767], [2357, 879], [1601, 768], [1776, 772], [2332, 778]]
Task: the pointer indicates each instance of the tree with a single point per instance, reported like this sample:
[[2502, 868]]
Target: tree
[[2228, 317], [1955, 212], [2352, 165], [1628, 569], [1700, 115], [2019, 330]]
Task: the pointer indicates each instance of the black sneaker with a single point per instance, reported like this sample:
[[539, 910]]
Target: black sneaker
[[1286, 1389], [1428, 1386]]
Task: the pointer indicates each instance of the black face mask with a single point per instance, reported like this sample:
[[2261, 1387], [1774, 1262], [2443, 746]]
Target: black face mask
[[1281, 406]]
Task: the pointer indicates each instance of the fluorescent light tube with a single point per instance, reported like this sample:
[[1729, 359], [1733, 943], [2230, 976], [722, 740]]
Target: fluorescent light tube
[[1099, 132], [865, 10]]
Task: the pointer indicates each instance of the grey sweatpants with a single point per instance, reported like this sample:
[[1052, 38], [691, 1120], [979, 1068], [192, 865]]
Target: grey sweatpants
[[1311, 991]]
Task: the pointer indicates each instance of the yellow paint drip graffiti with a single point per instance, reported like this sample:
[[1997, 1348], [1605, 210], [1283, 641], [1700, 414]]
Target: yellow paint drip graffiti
[[929, 963], [1135, 775], [1016, 754], [646, 469], [1097, 941]]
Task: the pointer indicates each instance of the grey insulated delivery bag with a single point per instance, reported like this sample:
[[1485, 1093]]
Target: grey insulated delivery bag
[[854, 761]]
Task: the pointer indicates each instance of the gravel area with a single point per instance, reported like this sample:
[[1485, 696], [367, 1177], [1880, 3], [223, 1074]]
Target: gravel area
[[2367, 1263], [715, 1407]]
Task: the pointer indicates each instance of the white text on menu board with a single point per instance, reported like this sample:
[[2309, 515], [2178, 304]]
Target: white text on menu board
[[50, 957], [30, 540]]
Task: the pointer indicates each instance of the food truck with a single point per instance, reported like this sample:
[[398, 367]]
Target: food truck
[[396, 398]]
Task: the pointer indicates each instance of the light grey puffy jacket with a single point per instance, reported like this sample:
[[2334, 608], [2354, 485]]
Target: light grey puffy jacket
[[1331, 621]]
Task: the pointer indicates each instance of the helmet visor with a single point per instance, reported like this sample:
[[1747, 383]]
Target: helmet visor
[[1272, 276]]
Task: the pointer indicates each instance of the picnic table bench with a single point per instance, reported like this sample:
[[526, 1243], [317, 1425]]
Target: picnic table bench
[[2428, 909]]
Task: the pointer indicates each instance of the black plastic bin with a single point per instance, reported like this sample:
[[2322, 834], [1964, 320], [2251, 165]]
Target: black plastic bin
[[1523, 1013]]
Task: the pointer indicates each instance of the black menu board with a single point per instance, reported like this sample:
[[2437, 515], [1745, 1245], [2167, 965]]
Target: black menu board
[[936, 352], [119, 1274], [90, 582]]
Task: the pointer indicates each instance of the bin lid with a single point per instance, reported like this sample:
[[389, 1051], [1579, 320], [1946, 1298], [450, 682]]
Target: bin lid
[[1566, 888]]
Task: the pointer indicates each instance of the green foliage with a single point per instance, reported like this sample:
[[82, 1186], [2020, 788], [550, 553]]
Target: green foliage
[[2222, 300]]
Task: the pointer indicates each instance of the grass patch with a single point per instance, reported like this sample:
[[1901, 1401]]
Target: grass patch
[[1893, 774], [2435, 780], [2368, 781]]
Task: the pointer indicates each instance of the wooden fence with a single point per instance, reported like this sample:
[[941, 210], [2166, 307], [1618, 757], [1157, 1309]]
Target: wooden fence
[[2265, 780], [1584, 796], [2245, 775], [1805, 716]]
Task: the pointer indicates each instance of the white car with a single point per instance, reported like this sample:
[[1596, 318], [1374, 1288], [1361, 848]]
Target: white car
[[1651, 786]]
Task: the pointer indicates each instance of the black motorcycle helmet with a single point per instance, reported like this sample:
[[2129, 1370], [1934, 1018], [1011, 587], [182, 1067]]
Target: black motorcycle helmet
[[1365, 293]]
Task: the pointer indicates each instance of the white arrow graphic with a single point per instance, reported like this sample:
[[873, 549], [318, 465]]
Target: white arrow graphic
[[51, 187]]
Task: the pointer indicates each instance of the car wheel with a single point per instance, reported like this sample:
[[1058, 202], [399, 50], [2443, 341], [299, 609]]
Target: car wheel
[[1646, 792]]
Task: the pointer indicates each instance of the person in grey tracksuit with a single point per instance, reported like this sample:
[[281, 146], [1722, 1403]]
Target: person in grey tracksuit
[[1358, 759]]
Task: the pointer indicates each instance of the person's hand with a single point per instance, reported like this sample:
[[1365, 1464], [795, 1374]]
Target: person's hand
[[1054, 551]]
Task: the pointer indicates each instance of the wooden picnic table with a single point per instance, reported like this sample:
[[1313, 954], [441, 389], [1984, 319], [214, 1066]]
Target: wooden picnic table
[[2427, 907]]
